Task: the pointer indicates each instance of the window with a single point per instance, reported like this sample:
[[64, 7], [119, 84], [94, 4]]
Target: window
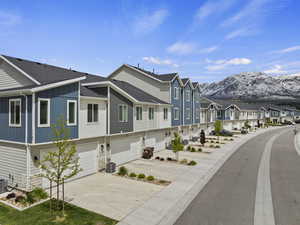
[[176, 92], [72, 112], [165, 113], [176, 114], [44, 112], [15, 112], [93, 112], [188, 95], [123, 113], [151, 113], [139, 113], [188, 114]]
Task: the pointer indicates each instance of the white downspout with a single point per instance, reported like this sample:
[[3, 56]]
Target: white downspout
[[33, 118]]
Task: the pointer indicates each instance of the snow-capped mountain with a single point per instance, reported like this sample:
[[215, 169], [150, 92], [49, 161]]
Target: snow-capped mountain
[[255, 85]]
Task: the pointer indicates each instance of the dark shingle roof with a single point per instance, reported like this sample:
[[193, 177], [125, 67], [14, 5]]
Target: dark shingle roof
[[45, 73], [162, 77], [137, 93], [195, 84], [185, 80], [88, 92]]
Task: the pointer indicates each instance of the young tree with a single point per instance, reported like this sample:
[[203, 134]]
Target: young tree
[[60, 165], [177, 145], [218, 127]]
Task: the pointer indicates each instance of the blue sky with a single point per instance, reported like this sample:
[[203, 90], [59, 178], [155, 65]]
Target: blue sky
[[205, 40]]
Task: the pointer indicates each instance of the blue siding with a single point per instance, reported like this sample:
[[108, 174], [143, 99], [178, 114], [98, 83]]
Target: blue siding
[[29, 134], [188, 105], [58, 108], [196, 105], [7, 133], [176, 103]]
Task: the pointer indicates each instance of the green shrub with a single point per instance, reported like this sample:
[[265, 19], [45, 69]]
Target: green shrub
[[162, 181], [132, 175], [150, 178], [30, 198], [217, 146], [231, 139], [225, 139], [193, 150], [200, 149], [123, 171], [189, 148], [141, 176], [20, 199], [192, 163], [211, 146], [39, 193], [184, 161]]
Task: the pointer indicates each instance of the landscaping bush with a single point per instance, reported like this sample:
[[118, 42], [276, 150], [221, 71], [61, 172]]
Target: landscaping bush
[[212, 142], [189, 148], [184, 161], [217, 146], [39, 194], [199, 149], [225, 139], [169, 159], [157, 157], [20, 199], [231, 139], [162, 159], [123, 171], [132, 175], [141, 176], [162, 181], [150, 178], [211, 146], [30, 198], [192, 163], [10, 196]]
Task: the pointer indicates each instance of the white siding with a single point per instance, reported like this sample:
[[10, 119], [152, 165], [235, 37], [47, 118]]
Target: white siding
[[156, 139], [92, 129], [153, 87], [160, 114], [11, 78], [13, 163]]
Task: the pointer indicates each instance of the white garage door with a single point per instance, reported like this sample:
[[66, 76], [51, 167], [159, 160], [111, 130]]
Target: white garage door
[[125, 148], [156, 140], [88, 160], [185, 134]]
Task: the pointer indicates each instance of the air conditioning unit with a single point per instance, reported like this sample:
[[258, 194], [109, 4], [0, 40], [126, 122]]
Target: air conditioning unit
[[3, 186]]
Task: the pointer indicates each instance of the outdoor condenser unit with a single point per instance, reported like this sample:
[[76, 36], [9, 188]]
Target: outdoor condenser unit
[[3, 186]]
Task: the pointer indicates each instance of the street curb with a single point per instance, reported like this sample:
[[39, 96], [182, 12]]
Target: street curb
[[166, 206], [296, 143]]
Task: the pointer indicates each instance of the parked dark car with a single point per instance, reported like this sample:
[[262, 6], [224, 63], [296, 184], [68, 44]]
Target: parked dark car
[[287, 123], [297, 121], [223, 132]]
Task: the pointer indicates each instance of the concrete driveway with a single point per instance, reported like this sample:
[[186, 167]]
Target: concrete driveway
[[109, 195]]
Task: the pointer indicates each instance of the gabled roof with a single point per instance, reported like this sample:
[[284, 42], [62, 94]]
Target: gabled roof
[[195, 84], [185, 81]]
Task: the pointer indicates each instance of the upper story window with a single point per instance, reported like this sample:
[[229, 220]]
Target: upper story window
[[188, 113], [15, 112], [188, 95], [176, 114], [139, 113], [93, 112], [176, 93], [151, 113], [72, 112], [123, 113], [43, 112], [165, 113]]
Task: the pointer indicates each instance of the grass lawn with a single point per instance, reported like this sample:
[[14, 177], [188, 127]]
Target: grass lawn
[[40, 215]]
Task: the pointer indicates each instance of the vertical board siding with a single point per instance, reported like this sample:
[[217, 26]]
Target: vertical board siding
[[13, 163], [196, 109], [58, 109], [115, 126], [188, 105], [7, 133], [176, 103]]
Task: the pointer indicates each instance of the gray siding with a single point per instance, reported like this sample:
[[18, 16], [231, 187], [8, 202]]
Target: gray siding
[[196, 109], [188, 104], [11, 78], [58, 109], [13, 164], [115, 126]]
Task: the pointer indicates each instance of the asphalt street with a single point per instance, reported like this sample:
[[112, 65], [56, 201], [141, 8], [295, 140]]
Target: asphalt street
[[229, 198]]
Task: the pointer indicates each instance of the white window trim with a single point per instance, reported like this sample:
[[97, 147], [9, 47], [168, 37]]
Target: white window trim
[[9, 114], [93, 118], [125, 120], [48, 112], [136, 116], [75, 114], [152, 118], [175, 113], [176, 93]]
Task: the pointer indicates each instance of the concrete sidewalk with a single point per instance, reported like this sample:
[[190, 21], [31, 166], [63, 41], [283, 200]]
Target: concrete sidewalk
[[166, 206]]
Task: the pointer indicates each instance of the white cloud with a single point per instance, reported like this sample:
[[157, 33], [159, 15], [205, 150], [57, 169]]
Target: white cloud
[[9, 19], [241, 32], [276, 69], [184, 48], [290, 49], [211, 8], [149, 22], [157, 61], [223, 63]]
